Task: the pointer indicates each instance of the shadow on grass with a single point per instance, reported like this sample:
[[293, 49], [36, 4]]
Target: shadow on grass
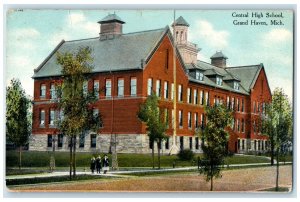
[[280, 189]]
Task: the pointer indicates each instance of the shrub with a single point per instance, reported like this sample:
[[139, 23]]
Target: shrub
[[186, 154]]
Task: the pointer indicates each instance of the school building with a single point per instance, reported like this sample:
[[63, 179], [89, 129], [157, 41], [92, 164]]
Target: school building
[[130, 66]]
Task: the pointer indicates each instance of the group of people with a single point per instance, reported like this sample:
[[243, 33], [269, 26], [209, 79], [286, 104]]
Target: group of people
[[97, 164]]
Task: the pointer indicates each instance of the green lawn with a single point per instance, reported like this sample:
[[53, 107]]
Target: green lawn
[[41, 159]]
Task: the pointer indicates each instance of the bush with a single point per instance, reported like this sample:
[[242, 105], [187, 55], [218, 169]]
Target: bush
[[186, 154]]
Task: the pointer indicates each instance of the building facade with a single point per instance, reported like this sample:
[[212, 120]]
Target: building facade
[[128, 68]]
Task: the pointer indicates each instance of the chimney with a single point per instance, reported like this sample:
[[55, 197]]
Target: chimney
[[219, 59], [110, 27]]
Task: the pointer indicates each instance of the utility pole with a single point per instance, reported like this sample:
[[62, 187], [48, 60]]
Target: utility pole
[[174, 148], [114, 154]]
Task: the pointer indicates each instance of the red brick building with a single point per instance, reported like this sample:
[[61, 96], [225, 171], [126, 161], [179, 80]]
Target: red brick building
[[129, 67]]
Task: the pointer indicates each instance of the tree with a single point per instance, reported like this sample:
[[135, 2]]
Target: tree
[[149, 113], [277, 123], [214, 141], [75, 100], [18, 126]]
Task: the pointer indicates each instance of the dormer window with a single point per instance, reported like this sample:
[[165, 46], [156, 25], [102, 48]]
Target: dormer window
[[219, 81], [199, 76], [236, 85]]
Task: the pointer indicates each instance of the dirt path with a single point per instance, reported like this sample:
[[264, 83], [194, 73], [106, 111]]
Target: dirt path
[[249, 179]]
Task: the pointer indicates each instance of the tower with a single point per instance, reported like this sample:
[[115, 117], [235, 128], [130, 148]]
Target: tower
[[110, 27], [187, 49]]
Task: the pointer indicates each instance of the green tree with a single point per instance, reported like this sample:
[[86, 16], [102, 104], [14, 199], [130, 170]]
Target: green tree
[[149, 113], [277, 123], [75, 100], [18, 126], [214, 141]]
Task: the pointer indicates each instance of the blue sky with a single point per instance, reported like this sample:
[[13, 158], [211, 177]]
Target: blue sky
[[32, 34]]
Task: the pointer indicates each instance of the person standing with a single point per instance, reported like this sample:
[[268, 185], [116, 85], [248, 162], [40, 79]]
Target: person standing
[[105, 164], [93, 162], [98, 164]]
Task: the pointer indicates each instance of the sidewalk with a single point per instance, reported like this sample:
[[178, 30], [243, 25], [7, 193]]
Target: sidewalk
[[119, 173]]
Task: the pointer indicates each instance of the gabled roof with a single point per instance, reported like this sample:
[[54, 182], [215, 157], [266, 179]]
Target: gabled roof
[[247, 74], [126, 52], [181, 21]]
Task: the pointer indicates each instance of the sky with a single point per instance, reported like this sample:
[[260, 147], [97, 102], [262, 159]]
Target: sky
[[31, 35]]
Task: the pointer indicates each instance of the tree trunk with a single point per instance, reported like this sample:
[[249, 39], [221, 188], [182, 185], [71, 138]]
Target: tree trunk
[[74, 156], [211, 177], [158, 153], [272, 151], [277, 169], [20, 157], [71, 159], [152, 154]]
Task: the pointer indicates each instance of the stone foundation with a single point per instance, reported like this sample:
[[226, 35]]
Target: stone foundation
[[125, 143]]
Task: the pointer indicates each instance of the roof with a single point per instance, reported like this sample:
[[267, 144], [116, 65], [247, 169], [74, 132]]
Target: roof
[[109, 55], [181, 21], [218, 54], [111, 18], [245, 75]]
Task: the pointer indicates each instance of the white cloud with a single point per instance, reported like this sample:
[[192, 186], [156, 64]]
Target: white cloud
[[215, 39], [76, 18], [24, 33], [276, 36]]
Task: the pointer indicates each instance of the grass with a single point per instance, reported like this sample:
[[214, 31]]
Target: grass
[[280, 189], [39, 161], [37, 180]]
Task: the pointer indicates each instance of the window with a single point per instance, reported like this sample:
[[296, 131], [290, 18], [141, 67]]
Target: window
[[238, 104], [133, 86], [158, 88], [236, 86], [191, 143], [49, 141], [172, 91], [95, 112], [166, 117], [233, 124], [228, 102], [149, 87], [201, 97], [197, 143], [238, 125], [181, 143], [51, 117], [232, 103], [180, 93], [254, 107], [107, 88], [195, 96], [255, 145], [42, 117], [219, 81], [263, 108], [199, 76], [243, 105], [189, 97], [189, 119], [167, 143], [243, 144], [196, 120], [202, 121], [258, 107], [81, 140], [85, 88], [93, 140], [243, 126], [43, 91], [52, 91], [166, 90], [96, 88], [207, 98], [120, 87], [60, 140], [254, 127], [167, 59], [180, 119]]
